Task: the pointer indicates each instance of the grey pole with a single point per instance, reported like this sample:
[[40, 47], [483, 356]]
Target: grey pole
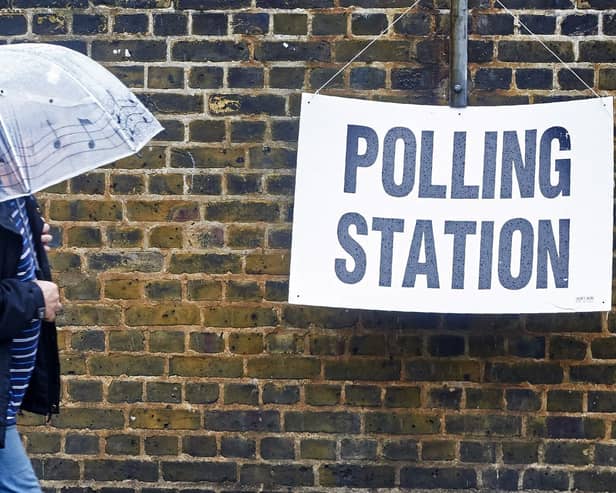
[[458, 58]]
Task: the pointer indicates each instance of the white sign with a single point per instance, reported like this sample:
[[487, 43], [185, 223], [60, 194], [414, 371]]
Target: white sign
[[456, 210]]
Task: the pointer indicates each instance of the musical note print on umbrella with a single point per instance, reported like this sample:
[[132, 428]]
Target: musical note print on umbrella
[[62, 114]]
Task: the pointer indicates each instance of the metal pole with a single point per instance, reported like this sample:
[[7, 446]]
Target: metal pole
[[458, 87]]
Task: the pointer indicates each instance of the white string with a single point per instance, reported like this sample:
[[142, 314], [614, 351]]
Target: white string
[[366, 47], [548, 48]]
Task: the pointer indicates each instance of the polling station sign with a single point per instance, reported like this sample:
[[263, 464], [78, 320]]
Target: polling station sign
[[457, 210]]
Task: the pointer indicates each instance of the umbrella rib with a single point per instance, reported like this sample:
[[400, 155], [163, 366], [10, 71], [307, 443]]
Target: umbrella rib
[[12, 151]]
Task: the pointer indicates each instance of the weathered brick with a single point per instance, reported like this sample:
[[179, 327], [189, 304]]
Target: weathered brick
[[601, 401], [538, 24], [501, 479], [360, 369], [85, 391], [533, 51], [415, 24], [424, 78], [167, 314], [277, 448], [130, 23], [81, 444], [202, 393], [122, 340], [165, 419], [318, 449], [572, 453], [402, 397], [215, 4], [41, 443], [163, 392], [434, 370], [205, 77], [204, 290], [402, 450], [545, 479], [251, 24], [594, 480], [242, 212], [367, 78], [88, 340], [280, 394], [135, 51], [11, 25], [209, 51], [380, 422], [350, 475], [484, 425], [323, 422], [126, 261], [385, 51], [241, 394], [232, 446], [567, 427], [492, 24], [209, 24], [363, 395], [520, 452], [54, 469], [271, 475], [199, 446], [580, 25], [117, 364], [283, 367], [239, 317], [289, 343], [122, 444], [593, 373], [189, 366], [576, 79], [522, 400], [217, 472], [170, 24], [242, 421], [524, 372], [293, 51], [438, 450], [328, 24], [85, 210], [490, 79], [49, 24], [206, 342], [127, 184], [88, 315], [125, 391], [565, 400], [95, 419], [322, 395], [420, 477], [533, 78]]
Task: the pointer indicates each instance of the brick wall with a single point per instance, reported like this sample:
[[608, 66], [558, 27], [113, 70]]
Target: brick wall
[[185, 370]]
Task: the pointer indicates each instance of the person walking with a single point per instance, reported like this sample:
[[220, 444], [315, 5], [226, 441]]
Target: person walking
[[29, 362]]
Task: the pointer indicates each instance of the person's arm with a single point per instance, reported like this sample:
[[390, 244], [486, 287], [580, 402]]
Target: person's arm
[[20, 303]]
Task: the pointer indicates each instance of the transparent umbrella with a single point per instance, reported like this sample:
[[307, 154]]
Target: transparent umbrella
[[62, 114]]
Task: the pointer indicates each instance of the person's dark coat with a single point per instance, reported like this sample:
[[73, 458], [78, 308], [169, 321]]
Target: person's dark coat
[[19, 304]]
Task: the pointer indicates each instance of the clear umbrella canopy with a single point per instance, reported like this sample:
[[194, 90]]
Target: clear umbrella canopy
[[62, 114]]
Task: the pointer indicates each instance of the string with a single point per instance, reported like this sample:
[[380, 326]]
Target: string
[[548, 48], [365, 48]]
